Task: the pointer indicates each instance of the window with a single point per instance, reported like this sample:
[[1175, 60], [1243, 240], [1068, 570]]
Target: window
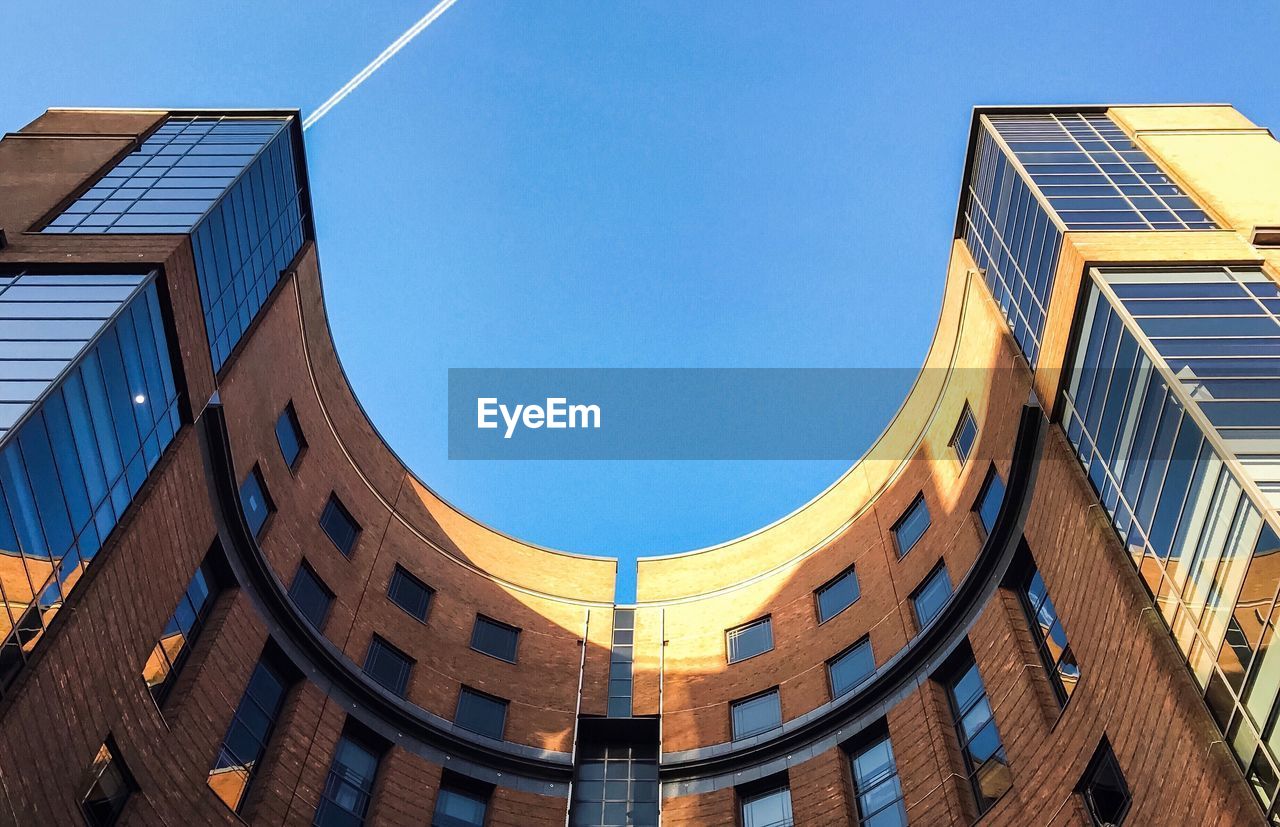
[[310, 595], [289, 436], [1051, 639], [749, 640], [931, 596], [759, 713], [878, 790], [246, 741], [338, 523], [966, 434], [495, 639], [989, 501], [983, 753], [911, 526], [461, 802], [388, 665], [615, 781], [171, 651], [255, 501], [409, 593], [481, 713], [837, 595], [620, 663], [110, 788], [851, 667], [1106, 794], [768, 809], [348, 788]]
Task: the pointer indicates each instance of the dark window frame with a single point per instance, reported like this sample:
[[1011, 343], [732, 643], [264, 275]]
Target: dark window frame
[[917, 502], [128, 781], [291, 414], [1022, 585], [939, 568], [465, 690], [774, 691], [515, 630], [865, 640], [993, 474], [275, 663], [850, 571], [749, 792], [463, 787], [854, 749], [950, 675], [966, 417], [759, 621], [1102, 756], [218, 580], [334, 505], [268, 501], [378, 641], [304, 565], [360, 737], [398, 573]]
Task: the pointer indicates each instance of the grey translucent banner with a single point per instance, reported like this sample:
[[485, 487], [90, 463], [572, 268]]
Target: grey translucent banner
[[683, 413]]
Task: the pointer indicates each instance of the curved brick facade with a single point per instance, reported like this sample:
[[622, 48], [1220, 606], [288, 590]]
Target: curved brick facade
[[82, 679]]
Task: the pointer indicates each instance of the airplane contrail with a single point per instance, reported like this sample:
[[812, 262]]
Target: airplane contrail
[[387, 53]]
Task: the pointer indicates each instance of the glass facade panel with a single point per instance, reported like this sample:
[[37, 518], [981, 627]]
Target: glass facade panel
[[750, 640], [409, 593], [495, 639], [911, 526], [615, 785], [760, 713], [876, 785], [851, 667], [621, 657], [1051, 640], [931, 596], [1200, 539], [247, 737], [180, 632], [481, 713], [458, 808], [111, 788], [78, 450], [837, 595], [770, 809], [169, 182], [388, 665], [348, 789], [980, 745]]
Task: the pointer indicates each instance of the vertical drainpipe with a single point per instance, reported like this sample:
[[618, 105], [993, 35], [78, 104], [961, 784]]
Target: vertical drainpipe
[[662, 674], [577, 708]]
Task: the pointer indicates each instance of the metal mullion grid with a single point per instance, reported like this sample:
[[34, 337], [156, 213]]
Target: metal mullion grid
[[998, 236], [134, 173], [1127, 199], [890, 776], [971, 770]]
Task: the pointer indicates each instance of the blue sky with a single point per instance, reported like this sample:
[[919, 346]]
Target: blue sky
[[578, 184]]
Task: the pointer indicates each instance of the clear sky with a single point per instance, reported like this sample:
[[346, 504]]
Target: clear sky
[[587, 184]]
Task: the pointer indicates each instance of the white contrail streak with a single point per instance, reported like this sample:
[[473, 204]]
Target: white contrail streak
[[387, 53]]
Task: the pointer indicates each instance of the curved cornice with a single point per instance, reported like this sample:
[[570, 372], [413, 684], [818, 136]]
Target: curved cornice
[[404, 723], [735, 762]]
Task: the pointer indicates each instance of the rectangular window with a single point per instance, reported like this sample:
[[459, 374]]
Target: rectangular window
[[409, 593], [338, 523], [768, 809], [931, 596], [851, 667], [110, 788], [255, 501], [1105, 792], [1051, 640], [621, 656], [759, 713], [965, 435], [481, 713], [181, 630], [242, 749], [615, 780], [837, 595], [983, 753], [461, 802], [289, 436], [312, 597], [989, 501], [348, 789], [749, 640], [876, 784], [495, 639], [911, 526], [388, 665]]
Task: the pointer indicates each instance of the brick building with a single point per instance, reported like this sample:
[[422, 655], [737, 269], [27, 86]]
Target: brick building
[[1045, 596]]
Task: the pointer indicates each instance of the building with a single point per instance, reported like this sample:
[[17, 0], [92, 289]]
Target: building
[[1046, 596]]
